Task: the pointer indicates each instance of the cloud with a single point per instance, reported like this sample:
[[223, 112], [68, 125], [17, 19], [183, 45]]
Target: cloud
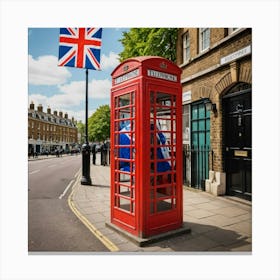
[[44, 71], [73, 95], [99, 89], [110, 61]]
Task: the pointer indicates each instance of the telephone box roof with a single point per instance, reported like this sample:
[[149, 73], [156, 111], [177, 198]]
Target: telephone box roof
[[147, 60]]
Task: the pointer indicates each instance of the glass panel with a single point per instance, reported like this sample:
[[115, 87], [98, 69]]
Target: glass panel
[[201, 125], [163, 99], [124, 113], [124, 100], [164, 205], [207, 124], [194, 139], [201, 111], [194, 113], [194, 126], [132, 97], [124, 177], [125, 191], [124, 204], [161, 192], [163, 179]]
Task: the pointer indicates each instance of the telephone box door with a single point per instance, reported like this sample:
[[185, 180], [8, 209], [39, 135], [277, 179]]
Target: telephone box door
[[164, 190], [123, 138]]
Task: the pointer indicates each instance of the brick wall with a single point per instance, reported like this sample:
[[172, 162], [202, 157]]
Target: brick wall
[[206, 78]]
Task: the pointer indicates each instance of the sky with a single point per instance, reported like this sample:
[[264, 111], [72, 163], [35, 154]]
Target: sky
[[63, 88]]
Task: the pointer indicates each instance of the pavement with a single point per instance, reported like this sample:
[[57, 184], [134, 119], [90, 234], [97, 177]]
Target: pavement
[[218, 224]]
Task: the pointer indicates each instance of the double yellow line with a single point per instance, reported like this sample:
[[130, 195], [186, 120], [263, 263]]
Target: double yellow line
[[109, 244]]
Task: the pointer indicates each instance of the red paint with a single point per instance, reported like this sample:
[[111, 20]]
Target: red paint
[[145, 200]]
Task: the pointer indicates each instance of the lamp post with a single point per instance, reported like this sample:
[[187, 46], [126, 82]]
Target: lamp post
[[86, 180]]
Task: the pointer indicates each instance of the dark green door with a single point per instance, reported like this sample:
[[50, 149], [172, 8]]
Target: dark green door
[[238, 143], [200, 144]]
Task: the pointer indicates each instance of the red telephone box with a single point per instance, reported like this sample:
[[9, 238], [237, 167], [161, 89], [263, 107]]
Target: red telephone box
[[146, 146]]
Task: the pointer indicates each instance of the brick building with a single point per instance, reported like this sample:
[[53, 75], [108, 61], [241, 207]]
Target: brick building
[[217, 111], [48, 132]]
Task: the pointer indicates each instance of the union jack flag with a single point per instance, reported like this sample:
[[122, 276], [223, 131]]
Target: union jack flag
[[80, 47]]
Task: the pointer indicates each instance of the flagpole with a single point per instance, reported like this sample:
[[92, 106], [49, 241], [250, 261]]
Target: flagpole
[[86, 180]]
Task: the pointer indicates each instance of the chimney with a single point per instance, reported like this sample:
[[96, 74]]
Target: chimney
[[60, 114], [40, 108], [31, 105], [55, 112], [66, 116], [49, 110], [72, 119]]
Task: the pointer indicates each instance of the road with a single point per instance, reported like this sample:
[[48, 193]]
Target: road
[[52, 226]]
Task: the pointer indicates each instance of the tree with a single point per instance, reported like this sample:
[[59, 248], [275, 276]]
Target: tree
[[149, 41], [81, 130], [99, 124]]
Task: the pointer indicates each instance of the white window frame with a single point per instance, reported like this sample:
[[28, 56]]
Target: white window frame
[[204, 39], [186, 47]]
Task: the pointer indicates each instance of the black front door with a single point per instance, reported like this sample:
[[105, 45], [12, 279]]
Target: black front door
[[238, 143]]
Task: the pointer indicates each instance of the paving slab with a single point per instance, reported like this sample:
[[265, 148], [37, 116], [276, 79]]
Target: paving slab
[[217, 223]]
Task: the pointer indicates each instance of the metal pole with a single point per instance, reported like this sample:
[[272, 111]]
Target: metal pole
[[86, 180]]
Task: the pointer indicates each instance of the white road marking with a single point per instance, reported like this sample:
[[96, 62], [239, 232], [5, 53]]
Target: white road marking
[[33, 172], [53, 165], [65, 191]]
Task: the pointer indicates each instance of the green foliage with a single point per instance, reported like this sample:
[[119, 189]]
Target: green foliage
[[149, 41], [81, 130], [99, 124]]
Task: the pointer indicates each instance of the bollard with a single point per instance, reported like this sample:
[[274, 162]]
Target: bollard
[[86, 180]]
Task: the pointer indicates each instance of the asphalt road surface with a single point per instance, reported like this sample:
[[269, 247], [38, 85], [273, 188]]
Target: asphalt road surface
[[52, 226]]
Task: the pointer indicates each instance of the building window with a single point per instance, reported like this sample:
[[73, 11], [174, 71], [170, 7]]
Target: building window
[[186, 123], [186, 47], [204, 39]]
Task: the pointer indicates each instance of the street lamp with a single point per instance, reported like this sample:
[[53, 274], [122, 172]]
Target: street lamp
[[209, 106]]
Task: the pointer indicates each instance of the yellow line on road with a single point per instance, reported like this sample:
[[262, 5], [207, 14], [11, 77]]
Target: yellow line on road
[[109, 244]]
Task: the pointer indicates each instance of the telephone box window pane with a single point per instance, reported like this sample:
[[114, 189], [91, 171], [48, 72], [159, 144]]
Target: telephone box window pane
[[163, 179], [152, 167], [132, 97], [124, 100], [124, 204], [125, 191], [163, 99], [166, 191], [164, 205], [124, 177], [152, 153]]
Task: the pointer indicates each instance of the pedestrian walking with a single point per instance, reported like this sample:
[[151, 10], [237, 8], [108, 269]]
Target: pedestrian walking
[[93, 150], [103, 151]]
